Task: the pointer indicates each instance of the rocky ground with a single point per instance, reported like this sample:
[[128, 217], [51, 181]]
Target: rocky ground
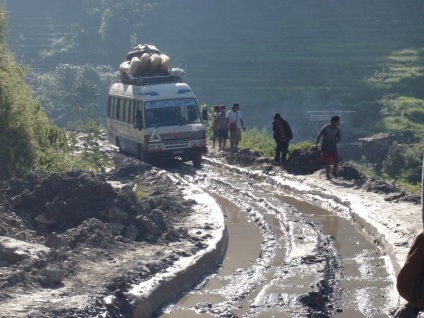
[[100, 234], [54, 226]]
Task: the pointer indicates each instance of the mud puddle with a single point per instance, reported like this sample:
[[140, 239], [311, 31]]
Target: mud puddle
[[243, 249], [367, 282]]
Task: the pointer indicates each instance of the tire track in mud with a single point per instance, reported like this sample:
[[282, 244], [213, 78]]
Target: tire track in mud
[[305, 267]]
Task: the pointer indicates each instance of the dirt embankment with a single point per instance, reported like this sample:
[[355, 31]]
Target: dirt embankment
[[64, 229]]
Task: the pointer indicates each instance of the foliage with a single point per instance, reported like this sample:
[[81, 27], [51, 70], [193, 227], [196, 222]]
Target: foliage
[[24, 126], [89, 126], [77, 153], [2, 23], [258, 141], [71, 94], [263, 143], [404, 162], [209, 122], [139, 193], [28, 140], [403, 115], [101, 28], [300, 147]]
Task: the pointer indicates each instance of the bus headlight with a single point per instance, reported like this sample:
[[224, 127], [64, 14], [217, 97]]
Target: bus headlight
[[198, 143], [155, 147]]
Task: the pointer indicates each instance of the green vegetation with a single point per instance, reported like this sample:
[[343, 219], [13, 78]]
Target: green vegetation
[[259, 141], [263, 143], [77, 151], [404, 163], [72, 94], [25, 130], [139, 193], [287, 56], [29, 142]]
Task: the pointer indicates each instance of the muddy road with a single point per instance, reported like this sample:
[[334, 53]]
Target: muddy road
[[285, 257], [239, 237]]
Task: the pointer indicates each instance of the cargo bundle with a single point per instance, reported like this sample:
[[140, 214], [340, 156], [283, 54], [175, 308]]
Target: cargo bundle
[[146, 61]]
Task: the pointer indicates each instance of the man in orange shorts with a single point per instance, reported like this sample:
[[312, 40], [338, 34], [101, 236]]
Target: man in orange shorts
[[331, 135]]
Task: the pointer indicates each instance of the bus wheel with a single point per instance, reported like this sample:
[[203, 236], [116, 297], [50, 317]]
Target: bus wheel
[[118, 144], [140, 153], [197, 160]]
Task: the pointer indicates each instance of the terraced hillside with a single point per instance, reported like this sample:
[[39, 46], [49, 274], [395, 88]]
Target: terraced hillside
[[287, 56], [35, 25]]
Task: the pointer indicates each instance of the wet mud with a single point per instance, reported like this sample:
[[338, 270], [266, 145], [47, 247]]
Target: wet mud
[[286, 258]]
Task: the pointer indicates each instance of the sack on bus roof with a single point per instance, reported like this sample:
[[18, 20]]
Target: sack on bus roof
[[140, 49]]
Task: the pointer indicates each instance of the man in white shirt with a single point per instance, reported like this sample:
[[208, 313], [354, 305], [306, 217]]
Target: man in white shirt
[[235, 124]]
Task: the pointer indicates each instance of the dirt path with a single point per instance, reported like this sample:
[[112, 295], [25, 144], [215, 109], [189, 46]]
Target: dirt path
[[325, 247]]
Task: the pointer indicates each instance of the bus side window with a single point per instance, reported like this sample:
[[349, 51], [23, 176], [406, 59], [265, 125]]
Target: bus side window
[[121, 110], [131, 117], [126, 115], [117, 108]]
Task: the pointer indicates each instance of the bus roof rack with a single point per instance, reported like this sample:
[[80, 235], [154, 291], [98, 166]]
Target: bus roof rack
[[126, 79]]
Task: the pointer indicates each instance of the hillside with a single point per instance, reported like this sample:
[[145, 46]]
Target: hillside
[[26, 133], [286, 56]]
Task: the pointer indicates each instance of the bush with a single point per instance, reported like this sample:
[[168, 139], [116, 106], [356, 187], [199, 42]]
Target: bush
[[404, 162], [300, 147], [258, 141], [262, 142]]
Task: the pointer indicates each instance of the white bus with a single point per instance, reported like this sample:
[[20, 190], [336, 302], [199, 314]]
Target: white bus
[[156, 118]]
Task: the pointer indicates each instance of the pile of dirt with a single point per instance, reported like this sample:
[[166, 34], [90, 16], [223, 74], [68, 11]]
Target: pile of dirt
[[349, 172], [305, 161], [51, 224], [390, 190]]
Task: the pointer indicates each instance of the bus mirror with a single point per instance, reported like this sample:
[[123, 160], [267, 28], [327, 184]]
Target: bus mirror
[[205, 113]]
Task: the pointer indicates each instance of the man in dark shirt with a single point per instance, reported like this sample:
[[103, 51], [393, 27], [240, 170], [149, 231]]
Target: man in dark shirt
[[282, 136]]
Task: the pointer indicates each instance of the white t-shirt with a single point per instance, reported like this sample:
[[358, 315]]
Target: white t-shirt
[[232, 117]]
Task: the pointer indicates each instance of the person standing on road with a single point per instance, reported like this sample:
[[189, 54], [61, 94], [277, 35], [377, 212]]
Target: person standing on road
[[215, 125], [331, 135], [235, 124], [282, 136], [222, 122]]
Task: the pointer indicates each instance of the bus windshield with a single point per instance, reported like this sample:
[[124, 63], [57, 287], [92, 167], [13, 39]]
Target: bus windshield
[[171, 112]]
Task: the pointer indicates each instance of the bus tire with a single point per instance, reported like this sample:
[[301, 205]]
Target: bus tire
[[140, 153], [118, 144], [197, 160]]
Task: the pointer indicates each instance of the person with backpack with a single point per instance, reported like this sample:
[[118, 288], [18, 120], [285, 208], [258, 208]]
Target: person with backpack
[[282, 134], [331, 135]]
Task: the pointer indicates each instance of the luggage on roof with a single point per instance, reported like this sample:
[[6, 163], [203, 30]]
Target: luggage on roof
[[145, 63], [140, 49]]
